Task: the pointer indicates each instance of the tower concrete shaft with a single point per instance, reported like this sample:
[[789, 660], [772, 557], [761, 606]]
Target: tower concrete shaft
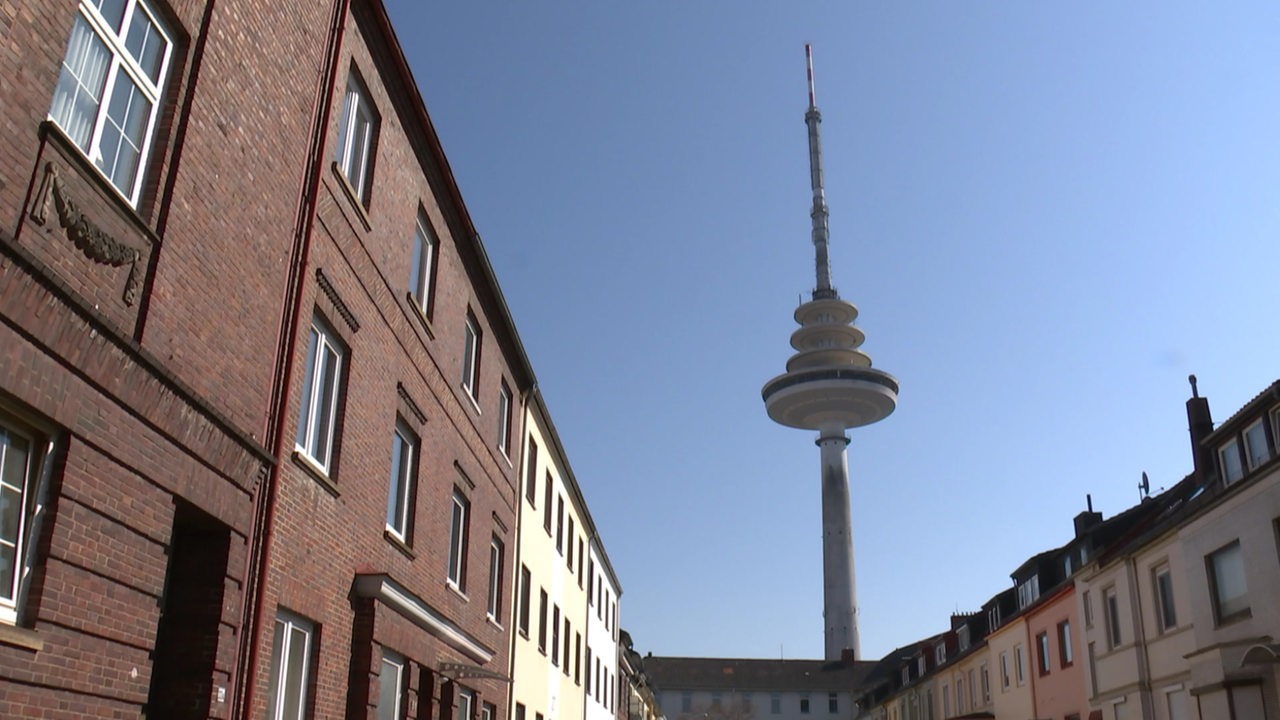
[[830, 386], [839, 592]]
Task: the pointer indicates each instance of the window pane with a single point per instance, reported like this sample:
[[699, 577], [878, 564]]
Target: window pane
[[308, 390], [1164, 587], [145, 44], [122, 133], [277, 650], [1255, 443], [1229, 454], [400, 482], [296, 673], [1229, 580], [328, 398], [79, 91], [389, 690], [112, 11]]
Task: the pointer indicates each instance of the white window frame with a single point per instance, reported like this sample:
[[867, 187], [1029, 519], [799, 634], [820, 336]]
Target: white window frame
[[1255, 456], [471, 357], [487, 711], [122, 66], [1019, 664], [1042, 649], [1004, 670], [1229, 461], [1215, 565], [400, 489], [497, 557], [985, 674], [289, 628], [355, 148], [392, 669], [322, 339], [467, 700], [29, 489], [1166, 607], [504, 418], [940, 654], [459, 519], [422, 274], [1066, 651], [1111, 616]]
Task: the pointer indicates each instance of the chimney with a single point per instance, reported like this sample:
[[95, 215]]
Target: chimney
[[846, 656], [1201, 424], [1088, 519]]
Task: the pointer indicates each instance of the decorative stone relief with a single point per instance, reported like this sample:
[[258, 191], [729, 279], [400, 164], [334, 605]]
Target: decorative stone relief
[[90, 239]]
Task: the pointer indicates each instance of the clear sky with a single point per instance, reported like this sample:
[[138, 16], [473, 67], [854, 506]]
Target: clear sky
[[1049, 214]]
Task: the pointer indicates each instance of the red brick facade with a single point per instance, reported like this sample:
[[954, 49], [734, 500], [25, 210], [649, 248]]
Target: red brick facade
[[157, 347]]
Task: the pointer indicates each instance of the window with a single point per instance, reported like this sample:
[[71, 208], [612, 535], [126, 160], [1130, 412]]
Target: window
[[960, 695], [320, 382], [577, 658], [1088, 609], [290, 668], [560, 524], [565, 653], [588, 685], [504, 417], [1229, 457], [580, 563], [487, 711], [986, 683], [400, 495], [526, 579], [1042, 645], [1019, 665], [686, 701], [591, 581], [1227, 583], [422, 275], [946, 700], [20, 468], [1028, 591], [555, 635], [466, 703], [775, 703], [928, 702], [906, 675], [355, 137], [531, 479], [921, 665], [569, 555], [458, 532], [1064, 644], [546, 507], [108, 91], [521, 712], [471, 357], [804, 704], [391, 687], [1004, 671], [542, 621], [1166, 612], [972, 689], [940, 653], [746, 703], [494, 607], [993, 618], [1255, 444], [1111, 611], [962, 638], [833, 703]]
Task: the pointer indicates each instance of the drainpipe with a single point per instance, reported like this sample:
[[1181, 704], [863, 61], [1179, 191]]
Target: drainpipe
[[1140, 638], [286, 346]]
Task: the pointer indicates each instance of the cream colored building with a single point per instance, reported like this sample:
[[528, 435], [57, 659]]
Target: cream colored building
[[1010, 666], [550, 666]]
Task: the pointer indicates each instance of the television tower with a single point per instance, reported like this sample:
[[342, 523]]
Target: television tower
[[830, 386]]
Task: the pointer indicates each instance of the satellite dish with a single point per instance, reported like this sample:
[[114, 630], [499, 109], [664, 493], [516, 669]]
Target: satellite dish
[[1144, 487]]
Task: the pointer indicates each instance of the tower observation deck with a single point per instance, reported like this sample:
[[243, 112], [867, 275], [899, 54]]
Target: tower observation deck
[[829, 386]]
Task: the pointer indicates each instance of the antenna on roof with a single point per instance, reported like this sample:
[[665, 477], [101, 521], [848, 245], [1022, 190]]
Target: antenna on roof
[[1144, 488]]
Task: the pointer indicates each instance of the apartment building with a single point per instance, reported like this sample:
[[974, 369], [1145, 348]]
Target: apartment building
[[606, 686], [737, 689], [146, 200], [551, 652]]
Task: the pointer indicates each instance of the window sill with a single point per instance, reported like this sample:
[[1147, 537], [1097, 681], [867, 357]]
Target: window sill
[[474, 402], [21, 638], [352, 195], [453, 587], [398, 544], [493, 621], [305, 462], [524, 634], [1234, 618], [416, 310]]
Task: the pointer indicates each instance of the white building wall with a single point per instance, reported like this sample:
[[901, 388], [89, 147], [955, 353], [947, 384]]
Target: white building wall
[[604, 699]]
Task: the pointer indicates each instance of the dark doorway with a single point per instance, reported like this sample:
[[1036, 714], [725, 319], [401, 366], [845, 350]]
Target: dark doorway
[[190, 610]]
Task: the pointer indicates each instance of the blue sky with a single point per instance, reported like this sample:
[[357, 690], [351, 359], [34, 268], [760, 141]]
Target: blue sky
[[1049, 214]]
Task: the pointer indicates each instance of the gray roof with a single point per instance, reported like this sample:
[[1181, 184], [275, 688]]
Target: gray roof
[[685, 673]]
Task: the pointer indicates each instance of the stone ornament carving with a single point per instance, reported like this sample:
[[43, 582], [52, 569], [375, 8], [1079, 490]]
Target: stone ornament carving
[[92, 240]]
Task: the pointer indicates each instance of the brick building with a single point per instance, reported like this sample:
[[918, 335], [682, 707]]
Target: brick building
[[258, 385]]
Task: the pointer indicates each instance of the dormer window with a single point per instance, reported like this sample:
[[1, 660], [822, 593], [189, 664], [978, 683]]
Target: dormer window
[[1028, 592], [906, 675], [920, 666], [940, 653], [993, 618], [1229, 459], [1255, 444], [962, 636]]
